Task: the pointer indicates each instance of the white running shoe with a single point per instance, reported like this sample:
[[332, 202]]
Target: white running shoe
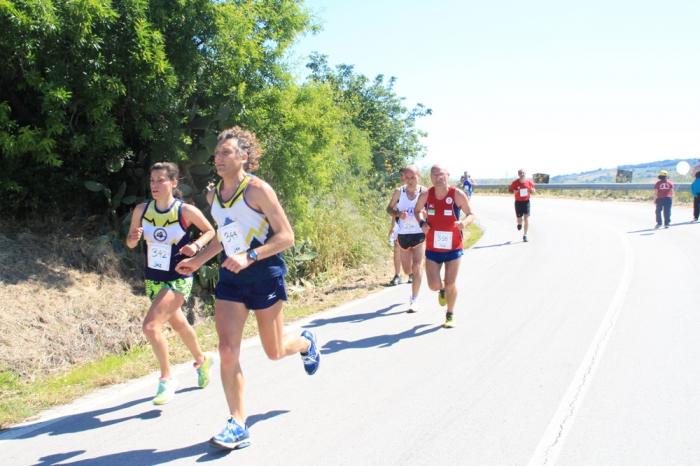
[[413, 305]]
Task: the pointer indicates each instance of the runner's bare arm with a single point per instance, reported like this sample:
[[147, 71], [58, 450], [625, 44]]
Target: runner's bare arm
[[419, 210], [462, 201], [189, 266], [135, 230], [391, 208], [195, 216]]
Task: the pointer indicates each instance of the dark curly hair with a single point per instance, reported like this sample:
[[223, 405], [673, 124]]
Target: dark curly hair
[[247, 144]]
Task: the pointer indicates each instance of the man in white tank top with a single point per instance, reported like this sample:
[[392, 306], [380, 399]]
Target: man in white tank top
[[410, 237], [251, 275]]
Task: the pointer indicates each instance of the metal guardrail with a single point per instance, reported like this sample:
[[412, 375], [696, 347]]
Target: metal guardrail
[[593, 186]]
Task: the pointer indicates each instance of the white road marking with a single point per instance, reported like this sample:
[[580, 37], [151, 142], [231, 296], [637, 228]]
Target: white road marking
[[554, 437]]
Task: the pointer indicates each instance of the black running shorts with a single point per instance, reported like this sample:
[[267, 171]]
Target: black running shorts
[[412, 240], [522, 208]]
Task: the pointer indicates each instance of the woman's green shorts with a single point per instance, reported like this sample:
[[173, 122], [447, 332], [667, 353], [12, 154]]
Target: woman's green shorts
[[181, 285]]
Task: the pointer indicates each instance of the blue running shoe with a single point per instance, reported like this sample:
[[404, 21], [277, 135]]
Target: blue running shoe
[[312, 358], [232, 437]]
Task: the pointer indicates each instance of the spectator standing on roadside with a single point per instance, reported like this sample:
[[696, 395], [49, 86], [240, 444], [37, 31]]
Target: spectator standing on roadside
[[522, 187], [663, 198], [695, 189]]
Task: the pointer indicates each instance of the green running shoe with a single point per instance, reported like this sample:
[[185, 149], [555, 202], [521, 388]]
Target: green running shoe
[[166, 390], [449, 320], [203, 370], [442, 298]]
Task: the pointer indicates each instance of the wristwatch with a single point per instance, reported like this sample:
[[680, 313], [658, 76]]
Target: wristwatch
[[253, 255]]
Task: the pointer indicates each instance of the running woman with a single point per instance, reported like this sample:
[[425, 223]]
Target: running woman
[[522, 187], [410, 237], [439, 211], [253, 230], [164, 223]]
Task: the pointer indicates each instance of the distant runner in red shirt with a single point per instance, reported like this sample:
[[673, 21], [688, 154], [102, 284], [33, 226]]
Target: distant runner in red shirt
[[522, 187], [439, 210], [663, 198]]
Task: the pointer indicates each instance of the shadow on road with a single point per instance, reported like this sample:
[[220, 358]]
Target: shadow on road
[[255, 418], [672, 225], [507, 243], [355, 318], [379, 341], [89, 421], [142, 457], [148, 457]]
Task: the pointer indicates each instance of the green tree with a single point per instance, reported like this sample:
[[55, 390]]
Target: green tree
[[373, 107], [87, 85]]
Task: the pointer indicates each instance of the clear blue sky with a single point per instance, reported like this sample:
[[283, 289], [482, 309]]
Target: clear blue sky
[[552, 86]]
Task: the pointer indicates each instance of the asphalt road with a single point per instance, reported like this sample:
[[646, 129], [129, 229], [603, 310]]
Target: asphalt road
[[581, 347]]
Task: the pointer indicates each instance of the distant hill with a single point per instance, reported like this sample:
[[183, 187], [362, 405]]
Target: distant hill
[[641, 173]]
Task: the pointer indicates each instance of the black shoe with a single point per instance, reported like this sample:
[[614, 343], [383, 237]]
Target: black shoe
[[395, 281], [410, 278], [524, 239], [520, 226]]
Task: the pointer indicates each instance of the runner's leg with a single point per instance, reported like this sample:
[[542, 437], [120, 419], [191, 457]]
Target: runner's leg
[[451, 271], [276, 343], [397, 258], [407, 261], [432, 273], [230, 320], [179, 323], [417, 268], [166, 304], [526, 224]]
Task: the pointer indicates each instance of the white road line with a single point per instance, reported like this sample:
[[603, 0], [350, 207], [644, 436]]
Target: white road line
[[554, 437]]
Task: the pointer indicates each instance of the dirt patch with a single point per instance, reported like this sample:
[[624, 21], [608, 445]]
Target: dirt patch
[[63, 303], [67, 300]]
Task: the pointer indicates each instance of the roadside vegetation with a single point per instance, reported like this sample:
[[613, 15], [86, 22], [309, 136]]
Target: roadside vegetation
[[93, 93]]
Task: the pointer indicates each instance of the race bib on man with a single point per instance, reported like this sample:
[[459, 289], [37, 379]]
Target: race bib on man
[[442, 240], [232, 239], [523, 192], [159, 257], [410, 225]]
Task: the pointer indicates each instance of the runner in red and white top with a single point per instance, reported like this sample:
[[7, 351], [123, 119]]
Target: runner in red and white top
[[522, 187], [439, 211]]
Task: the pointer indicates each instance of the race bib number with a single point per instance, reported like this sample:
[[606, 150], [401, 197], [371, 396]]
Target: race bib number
[[447, 212], [523, 192], [232, 239], [410, 225], [159, 257], [442, 240]]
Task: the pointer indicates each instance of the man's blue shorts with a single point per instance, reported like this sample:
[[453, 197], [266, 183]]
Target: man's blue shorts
[[256, 295], [442, 257]]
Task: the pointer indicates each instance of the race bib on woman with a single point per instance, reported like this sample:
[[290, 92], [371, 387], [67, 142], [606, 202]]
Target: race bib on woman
[[159, 256]]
